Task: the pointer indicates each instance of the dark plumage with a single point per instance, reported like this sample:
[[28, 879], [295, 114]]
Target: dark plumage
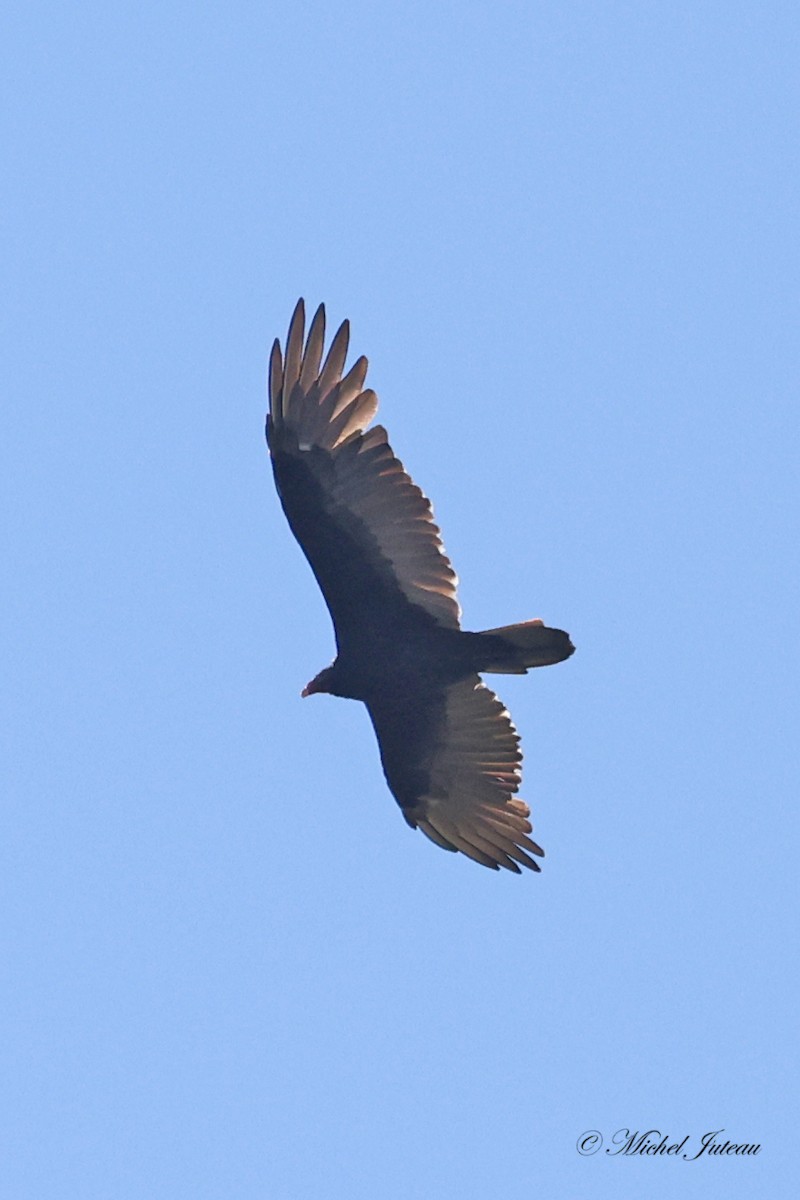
[[449, 750]]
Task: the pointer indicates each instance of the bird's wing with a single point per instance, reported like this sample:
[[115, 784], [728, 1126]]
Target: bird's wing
[[452, 761], [366, 529]]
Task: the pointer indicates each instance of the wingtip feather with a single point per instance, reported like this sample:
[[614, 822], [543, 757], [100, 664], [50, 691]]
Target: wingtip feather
[[276, 381], [313, 351], [294, 349]]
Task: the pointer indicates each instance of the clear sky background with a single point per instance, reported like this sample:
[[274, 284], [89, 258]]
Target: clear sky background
[[565, 235]]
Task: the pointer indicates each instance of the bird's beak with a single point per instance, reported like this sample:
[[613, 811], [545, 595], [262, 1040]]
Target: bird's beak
[[318, 684]]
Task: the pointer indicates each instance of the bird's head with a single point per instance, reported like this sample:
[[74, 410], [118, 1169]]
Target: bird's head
[[323, 682]]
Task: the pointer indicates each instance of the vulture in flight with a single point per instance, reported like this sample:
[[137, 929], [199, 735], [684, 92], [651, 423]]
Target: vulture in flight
[[448, 747]]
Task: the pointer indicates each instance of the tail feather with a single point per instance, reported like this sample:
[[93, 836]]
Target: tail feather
[[514, 649]]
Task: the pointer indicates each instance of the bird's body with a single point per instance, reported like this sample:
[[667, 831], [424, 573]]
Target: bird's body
[[448, 748]]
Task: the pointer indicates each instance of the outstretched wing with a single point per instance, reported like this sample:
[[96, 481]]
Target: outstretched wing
[[452, 761], [366, 529]]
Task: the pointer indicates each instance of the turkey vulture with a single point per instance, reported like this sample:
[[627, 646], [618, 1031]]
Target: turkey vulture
[[448, 747]]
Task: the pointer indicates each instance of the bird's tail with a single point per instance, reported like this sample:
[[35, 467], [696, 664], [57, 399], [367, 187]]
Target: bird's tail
[[514, 649]]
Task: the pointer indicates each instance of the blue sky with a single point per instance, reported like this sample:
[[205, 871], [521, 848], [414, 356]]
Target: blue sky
[[565, 235]]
